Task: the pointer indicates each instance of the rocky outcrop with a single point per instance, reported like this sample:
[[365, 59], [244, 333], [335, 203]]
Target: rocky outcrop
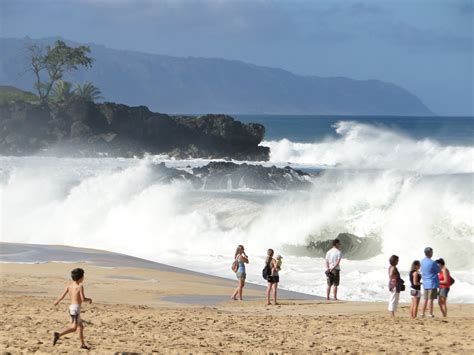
[[352, 247], [225, 175], [228, 176], [165, 175], [82, 128], [23, 128]]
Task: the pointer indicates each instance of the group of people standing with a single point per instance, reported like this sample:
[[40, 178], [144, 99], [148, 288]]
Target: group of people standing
[[273, 265], [269, 273], [433, 275]]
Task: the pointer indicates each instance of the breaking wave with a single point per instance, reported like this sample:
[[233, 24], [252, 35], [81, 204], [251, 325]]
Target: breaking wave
[[363, 146]]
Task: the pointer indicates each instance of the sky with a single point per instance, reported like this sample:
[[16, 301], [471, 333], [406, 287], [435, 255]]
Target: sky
[[425, 46]]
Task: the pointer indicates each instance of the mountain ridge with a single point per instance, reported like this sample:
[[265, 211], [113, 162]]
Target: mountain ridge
[[201, 85]]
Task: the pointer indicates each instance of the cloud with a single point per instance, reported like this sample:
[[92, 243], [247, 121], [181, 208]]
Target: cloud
[[466, 8], [254, 20], [405, 34], [208, 16], [361, 8], [308, 23]]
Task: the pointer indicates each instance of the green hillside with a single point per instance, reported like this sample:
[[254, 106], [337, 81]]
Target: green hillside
[[10, 93]]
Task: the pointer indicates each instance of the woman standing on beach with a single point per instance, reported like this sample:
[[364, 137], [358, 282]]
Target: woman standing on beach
[[241, 258], [393, 285], [444, 285], [415, 287], [273, 277]]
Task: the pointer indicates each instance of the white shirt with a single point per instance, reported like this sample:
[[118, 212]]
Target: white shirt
[[332, 257]]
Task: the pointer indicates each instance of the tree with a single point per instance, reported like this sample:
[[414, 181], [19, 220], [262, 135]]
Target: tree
[[56, 61], [88, 92], [63, 91]]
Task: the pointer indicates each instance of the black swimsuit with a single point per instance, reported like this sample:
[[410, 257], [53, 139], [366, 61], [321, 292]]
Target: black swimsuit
[[415, 287]]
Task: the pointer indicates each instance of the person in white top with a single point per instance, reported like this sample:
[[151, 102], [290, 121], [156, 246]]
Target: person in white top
[[333, 259]]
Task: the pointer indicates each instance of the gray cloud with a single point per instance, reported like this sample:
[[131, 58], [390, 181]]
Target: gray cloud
[[307, 22], [201, 17], [361, 8], [404, 34], [466, 7], [256, 19]]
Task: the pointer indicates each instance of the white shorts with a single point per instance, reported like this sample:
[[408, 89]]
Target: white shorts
[[75, 313], [393, 301]]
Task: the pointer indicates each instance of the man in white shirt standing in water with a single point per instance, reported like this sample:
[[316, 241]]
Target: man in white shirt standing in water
[[333, 258]]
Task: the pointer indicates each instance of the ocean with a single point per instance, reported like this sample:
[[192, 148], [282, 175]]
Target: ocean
[[405, 180]]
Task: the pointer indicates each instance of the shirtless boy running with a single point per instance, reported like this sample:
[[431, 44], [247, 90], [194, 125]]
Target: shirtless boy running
[[76, 292]]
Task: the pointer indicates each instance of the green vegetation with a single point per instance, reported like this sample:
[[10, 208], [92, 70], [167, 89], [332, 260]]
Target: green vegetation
[[63, 92], [88, 92], [55, 62], [11, 94], [49, 64]]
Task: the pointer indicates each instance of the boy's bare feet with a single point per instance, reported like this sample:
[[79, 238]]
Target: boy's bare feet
[[84, 346], [55, 338]]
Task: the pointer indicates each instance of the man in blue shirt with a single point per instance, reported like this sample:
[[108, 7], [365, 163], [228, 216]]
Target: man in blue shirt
[[429, 274]]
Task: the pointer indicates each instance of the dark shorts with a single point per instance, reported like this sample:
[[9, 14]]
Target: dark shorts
[[333, 278], [273, 279], [431, 294], [443, 292]]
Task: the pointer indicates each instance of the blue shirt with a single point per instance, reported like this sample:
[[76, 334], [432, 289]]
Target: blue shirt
[[429, 273]]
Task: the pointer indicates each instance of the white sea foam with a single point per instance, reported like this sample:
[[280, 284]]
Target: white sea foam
[[363, 146], [410, 194]]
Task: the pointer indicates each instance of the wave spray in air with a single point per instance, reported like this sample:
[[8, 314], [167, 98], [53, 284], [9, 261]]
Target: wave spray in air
[[363, 146]]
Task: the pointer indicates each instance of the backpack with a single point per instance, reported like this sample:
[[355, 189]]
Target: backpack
[[267, 271], [451, 280], [235, 266], [401, 284]]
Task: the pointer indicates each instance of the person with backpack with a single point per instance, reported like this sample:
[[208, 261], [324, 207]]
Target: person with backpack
[[238, 266], [270, 273], [395, 285], [445, 282]]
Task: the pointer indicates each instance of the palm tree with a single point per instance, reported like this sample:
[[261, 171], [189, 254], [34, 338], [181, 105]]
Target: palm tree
[[88, 92], [62, 91]]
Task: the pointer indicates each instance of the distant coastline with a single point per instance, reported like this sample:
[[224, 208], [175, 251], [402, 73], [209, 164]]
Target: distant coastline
[[175, 84]]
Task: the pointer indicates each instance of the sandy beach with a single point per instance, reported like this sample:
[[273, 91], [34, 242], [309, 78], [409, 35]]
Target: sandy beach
[[138, 307]]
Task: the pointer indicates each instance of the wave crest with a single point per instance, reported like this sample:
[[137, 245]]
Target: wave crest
[[364, 146]]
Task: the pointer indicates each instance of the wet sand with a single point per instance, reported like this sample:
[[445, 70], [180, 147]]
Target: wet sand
[[145, 309]]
